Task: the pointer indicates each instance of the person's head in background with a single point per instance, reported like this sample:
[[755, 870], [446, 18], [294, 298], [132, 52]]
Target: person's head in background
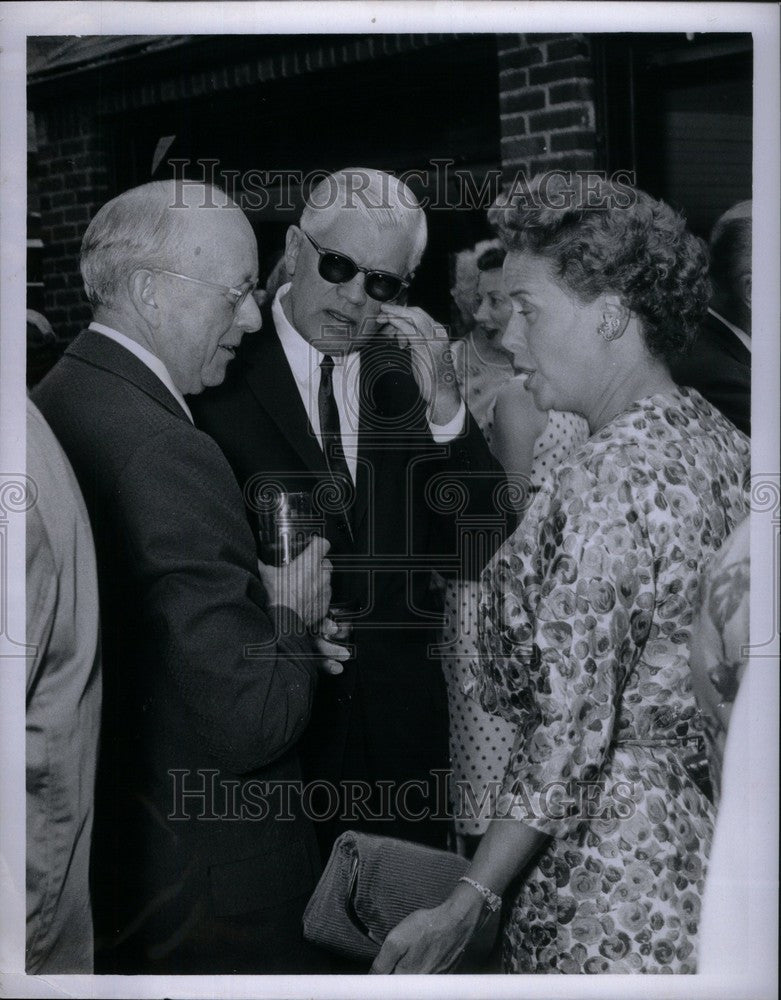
[[464, 287], [42, 348], [361, 236], [494, 306], [730, 265], [608, 286]]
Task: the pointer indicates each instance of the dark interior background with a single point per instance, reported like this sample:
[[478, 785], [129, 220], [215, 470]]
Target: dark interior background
[[675, 109], [680, 111], [398, 113]]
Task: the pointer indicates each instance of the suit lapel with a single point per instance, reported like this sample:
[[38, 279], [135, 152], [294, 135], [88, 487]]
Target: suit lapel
[[387, 380], [384, 379], [728, 339], [374, 449], [102, 352], [269, 377], [366, 470]]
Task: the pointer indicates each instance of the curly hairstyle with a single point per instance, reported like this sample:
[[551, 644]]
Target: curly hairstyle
[[602, 237]]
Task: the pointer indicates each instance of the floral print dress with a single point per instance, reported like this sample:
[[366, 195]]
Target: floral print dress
[[719, 651], [479, 741], [585, 621]]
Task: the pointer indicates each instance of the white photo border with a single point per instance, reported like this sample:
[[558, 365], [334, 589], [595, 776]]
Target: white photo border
[[282, 17]]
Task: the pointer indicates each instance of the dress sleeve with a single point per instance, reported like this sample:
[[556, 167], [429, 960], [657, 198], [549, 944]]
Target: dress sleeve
[[568, 606]]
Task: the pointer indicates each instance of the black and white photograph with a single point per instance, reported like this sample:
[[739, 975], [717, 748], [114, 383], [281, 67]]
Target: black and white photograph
[[390, 508]]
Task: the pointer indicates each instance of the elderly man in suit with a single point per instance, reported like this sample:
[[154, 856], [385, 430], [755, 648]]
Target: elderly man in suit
[[209, 671], [719, 364], [348, 394]]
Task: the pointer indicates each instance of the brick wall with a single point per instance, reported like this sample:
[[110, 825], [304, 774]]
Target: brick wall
[[546, 100], [70, 177], [72, 185], [547, 120]]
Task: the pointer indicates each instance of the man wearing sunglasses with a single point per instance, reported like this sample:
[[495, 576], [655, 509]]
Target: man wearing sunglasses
[[349, 394], [184, 879]]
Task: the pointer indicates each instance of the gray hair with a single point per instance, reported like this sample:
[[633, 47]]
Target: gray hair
[[138, 228], [377, 195]]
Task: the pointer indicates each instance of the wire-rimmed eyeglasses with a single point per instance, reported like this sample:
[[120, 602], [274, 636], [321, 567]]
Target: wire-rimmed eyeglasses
[[236, 296]]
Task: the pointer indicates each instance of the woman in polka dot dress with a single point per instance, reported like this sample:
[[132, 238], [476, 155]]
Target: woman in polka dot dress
[[530, 444]]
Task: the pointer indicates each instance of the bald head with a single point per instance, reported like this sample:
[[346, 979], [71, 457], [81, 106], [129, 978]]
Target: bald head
[[171, 266], [156, 225], [730, 265]]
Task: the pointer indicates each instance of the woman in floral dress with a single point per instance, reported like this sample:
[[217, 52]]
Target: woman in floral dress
[[719, 661], [600, 835], [529, 443]]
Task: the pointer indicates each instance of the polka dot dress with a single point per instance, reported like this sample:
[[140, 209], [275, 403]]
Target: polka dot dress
[[480, 743], [562, 434]]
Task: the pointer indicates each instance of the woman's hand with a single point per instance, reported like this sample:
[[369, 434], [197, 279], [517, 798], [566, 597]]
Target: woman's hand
[[432, 940]]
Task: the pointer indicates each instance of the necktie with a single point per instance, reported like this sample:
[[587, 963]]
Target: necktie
[[331, 433]]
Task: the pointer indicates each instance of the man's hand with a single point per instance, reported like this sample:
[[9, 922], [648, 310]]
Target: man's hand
[[432, 357], [304, 585], [333, 653]]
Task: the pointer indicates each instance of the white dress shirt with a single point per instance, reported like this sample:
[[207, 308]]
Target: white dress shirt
[[304, 361], [742, 336], [153, 363]]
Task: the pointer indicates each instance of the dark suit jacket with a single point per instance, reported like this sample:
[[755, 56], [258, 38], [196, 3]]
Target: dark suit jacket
[[417, 505], [187, 706], [719, 368]]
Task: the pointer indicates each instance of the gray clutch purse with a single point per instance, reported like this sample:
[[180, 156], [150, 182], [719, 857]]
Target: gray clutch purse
[[369, 885]]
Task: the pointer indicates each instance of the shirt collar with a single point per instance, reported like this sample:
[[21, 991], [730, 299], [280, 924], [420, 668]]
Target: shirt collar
[[304, 358], [152, 362], [742, 336]]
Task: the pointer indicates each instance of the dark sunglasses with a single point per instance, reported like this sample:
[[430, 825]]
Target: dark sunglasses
[[338, 269]]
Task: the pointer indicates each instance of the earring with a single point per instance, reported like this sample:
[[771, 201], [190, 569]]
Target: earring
[[609, 328]]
